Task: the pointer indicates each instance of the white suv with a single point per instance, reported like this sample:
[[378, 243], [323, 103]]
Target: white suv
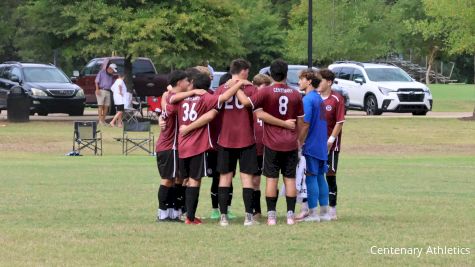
[[378, 88]]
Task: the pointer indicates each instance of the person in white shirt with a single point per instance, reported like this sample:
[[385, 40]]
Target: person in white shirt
[[119, 91]]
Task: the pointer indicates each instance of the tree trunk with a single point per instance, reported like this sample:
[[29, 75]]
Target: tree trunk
[[128, 73], [474, 81], [432, 53]]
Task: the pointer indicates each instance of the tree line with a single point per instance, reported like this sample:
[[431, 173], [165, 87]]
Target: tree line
[[182, 33]]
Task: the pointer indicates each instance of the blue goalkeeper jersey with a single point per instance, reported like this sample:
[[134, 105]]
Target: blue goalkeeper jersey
[[316, 142]]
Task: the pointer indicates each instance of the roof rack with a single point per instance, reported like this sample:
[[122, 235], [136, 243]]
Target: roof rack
[[349, 61]]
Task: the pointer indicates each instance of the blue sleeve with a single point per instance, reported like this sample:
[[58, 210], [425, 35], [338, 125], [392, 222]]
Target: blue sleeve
[[307, 108]]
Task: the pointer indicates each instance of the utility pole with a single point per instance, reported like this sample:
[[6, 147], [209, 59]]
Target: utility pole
[[310, 61]]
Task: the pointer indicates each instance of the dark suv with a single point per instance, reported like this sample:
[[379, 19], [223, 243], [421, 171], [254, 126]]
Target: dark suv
[[48, 88]]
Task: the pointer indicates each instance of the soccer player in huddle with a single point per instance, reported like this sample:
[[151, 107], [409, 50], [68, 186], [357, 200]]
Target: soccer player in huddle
[[192, 145], [170, 192], [334, 109], [280, 144], [313, 137]]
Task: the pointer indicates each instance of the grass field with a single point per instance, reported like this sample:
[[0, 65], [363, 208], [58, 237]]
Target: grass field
[[402, 183], [453, 97]]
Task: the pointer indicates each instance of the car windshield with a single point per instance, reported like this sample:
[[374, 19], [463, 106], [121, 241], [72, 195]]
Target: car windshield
[[215, 81], [387, 75], [44, 75], [293, 76]]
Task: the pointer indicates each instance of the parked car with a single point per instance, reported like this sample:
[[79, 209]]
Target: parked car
[[146, 80], [48, 88], [293, 80], [215, 82], [378, 88]]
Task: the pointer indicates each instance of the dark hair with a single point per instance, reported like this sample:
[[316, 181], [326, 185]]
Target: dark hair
[[201, 81], [176, 76], [312, 76], [226, 77], [327, 74], [238, 65], [278, 70]]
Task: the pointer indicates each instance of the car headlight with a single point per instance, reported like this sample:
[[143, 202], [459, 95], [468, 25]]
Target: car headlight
[[427, 91], [385, 91], [80, 92], [38, 92]]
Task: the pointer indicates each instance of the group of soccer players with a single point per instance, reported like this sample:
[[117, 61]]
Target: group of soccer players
[[262, 125]]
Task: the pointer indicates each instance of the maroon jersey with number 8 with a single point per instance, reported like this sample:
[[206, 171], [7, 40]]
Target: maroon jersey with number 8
[[284, 103]]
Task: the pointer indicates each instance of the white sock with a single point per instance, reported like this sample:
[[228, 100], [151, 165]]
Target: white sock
[[163, 214]]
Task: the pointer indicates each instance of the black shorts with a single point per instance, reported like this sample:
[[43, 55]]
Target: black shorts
[[167, 163], [212, 161], [119, 108], [193, 167], [280, 161], [332, 162], [228, 157], [260, 161]]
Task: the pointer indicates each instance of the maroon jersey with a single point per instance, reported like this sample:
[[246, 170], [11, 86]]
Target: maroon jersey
[[188, 110], [258, 133], [215, 126], [334, 107], [284, 103], [168, 137], [237, 121]]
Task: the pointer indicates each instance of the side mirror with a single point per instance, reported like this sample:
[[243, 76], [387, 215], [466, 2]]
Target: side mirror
[[75, 73], [359, 80]]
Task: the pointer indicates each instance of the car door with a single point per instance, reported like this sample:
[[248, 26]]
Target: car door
[[3, 91], [359, 89], [344, 80]]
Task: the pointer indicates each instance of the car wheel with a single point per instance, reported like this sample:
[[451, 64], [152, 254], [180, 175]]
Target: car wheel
[[371, 106], [419, 113]]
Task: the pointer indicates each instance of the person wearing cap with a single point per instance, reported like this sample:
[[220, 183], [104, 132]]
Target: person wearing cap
[[104, 81]]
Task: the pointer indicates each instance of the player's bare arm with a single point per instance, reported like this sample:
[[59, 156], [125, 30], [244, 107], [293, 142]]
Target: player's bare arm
[[303, 130], [163, 102], [182, 95], [232, 91], [336, 131], [269, 119], [200, 122], [243, 98]]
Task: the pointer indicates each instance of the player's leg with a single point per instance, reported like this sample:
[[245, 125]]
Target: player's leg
[[197, 169], [323, 192], [212, 172], [271, 171], [288, 162], [312, 188], [165, 165], [227, 160], [256, 182], [331, 180], [248, 167]]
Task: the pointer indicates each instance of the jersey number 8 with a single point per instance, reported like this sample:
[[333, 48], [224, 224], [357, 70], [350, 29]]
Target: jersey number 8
[[283, 102], [189, 113]]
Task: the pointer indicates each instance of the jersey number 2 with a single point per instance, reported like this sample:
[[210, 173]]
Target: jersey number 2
[[189, 113]]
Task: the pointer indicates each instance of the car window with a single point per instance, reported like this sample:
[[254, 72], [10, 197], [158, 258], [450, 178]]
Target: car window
[[92, 68], [388, 75], [1, 72], [44, 75], [345, 73], [336, 71], [141, 66], [16, 72], [358, 74], [6, 73]]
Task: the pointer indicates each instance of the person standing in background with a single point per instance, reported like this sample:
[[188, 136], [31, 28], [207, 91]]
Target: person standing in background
[[104, 81]]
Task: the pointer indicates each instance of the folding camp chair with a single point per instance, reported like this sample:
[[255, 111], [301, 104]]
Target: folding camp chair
[[137, 135], [87, 136], [154, 107], [130, 114]]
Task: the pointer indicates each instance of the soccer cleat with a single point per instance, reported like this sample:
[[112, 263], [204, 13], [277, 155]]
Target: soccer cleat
[[223, 221], [257, 216], [332, 212], [324, 214], [214, 214], [312, 218], [271, 218], [249, 220], [231, 214], [302, 215], [290, 218], [196, 221]]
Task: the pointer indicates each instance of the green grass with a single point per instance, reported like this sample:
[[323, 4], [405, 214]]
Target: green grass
[[453, 97], [402, 183]]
